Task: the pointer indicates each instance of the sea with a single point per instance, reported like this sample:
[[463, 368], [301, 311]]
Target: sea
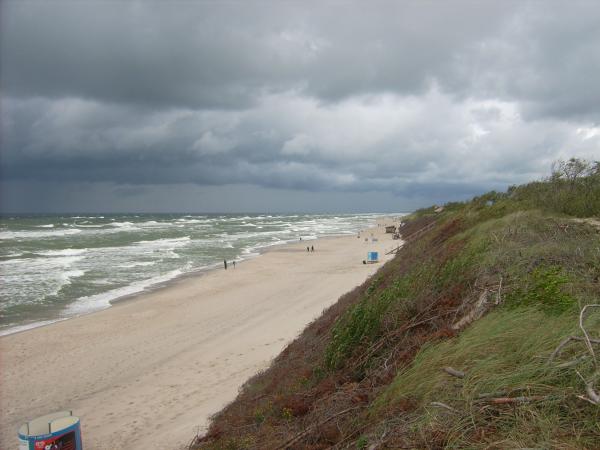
[[59, 266]]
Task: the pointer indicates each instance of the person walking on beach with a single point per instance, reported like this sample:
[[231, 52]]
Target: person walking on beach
[[307, 249], [225, 264], [312, 248], [234, 263]]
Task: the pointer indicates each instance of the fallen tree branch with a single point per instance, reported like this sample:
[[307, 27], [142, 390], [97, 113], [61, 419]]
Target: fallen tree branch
[[568, 339], [454, 372]]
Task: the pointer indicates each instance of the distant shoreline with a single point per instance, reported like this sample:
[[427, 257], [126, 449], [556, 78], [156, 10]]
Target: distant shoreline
[[199, 272], [70, 274]]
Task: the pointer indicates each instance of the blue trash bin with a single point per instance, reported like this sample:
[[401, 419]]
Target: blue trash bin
[[57, 431], [373, 257]]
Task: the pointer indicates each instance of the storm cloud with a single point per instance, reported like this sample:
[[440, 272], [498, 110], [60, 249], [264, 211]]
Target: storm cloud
[[106, 104]]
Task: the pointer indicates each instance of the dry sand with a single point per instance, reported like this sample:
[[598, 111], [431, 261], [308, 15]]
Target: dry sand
[[148, 372]]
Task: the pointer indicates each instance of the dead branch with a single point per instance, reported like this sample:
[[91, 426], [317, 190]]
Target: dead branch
[[585, 333], [559, 348], [590, 390], [443, 405], [475, 313], [485, 395], [393, 333], [510, 400], [454, 372], [592, 394], [583, 397], [499, 296], [308, 430], [573, 362], [419, 232], [565, 341]]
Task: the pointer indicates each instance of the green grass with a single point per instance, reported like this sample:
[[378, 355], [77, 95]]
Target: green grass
[[384, 346], [361, 323], [506, 351]]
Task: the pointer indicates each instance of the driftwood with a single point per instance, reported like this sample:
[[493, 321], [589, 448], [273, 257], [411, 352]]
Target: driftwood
[[454, 372]]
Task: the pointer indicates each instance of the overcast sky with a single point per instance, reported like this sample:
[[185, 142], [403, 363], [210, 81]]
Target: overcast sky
[[290, 106]]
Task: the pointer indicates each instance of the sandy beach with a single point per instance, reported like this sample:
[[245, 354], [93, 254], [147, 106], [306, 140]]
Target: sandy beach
[[148, 372]]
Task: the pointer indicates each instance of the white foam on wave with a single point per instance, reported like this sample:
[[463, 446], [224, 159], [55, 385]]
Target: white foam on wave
[[153, 223], [254, 250], [101, 301], [13, 255], [8, 235], [32, 280], [65, 279], [137, 264], [193, 221], [64, 252], [50, 225], [121, 224], [43, 263], [177, 242]]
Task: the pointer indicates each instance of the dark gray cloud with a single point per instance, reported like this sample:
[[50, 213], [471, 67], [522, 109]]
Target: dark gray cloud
[[420, 100], [224, 55]]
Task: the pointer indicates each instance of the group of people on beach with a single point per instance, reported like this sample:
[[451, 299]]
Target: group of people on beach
[[225, 264], [310, 249]]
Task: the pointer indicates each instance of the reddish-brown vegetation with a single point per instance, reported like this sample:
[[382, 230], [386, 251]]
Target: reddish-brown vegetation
[[297, 396]]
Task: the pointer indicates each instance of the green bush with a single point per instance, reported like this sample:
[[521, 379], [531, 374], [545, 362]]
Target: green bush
[[361, 322], [543, 289]]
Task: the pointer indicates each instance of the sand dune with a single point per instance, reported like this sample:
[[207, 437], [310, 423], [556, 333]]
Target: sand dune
[[148, 373]]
